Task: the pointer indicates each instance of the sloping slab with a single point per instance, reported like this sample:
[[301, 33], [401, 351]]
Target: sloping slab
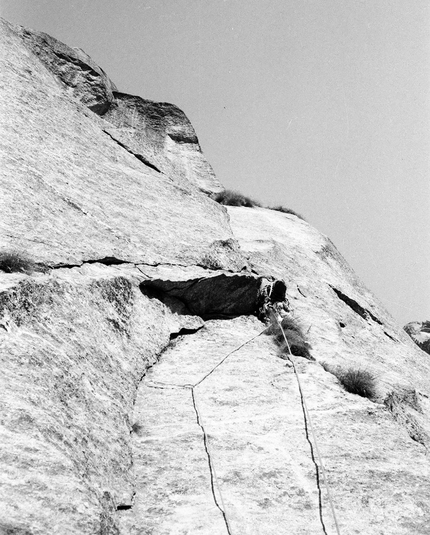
[[73, 348], [71, 193], [236, 443], [343, 321], [82, 76]]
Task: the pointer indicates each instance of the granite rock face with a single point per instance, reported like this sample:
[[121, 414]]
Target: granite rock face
[[76, 70], [419, 331], [141, 391], [161, 135], [158, 133], [71, 193]]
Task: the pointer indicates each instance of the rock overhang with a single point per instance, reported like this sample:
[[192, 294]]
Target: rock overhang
[[220, 295]]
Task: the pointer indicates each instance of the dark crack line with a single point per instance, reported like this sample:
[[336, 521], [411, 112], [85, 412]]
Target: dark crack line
[[391, 337], [209, 458], [317, 469], [357, 308], [112, 261], [138, 156], [300, 291], [106, 261], [165, 386], [162, 386]]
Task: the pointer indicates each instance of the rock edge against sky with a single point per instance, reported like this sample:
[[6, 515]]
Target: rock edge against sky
[[135, 362]]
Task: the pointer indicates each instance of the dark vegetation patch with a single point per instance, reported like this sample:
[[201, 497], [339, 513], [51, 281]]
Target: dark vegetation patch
[[296, 341], [230, 197], [14, 262], [285, 210], [355, 381], [137, 428], [234, 198]]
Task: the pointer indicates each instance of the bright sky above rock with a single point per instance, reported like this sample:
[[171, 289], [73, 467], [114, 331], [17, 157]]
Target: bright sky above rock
[[319, 105]]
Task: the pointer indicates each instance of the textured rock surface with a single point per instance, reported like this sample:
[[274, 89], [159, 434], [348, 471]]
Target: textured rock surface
[[345, 324], [86, 80], [251, 410], [161, 134], [419, 331], [124, 410], [157, 133], [74, 346], [70, 193]]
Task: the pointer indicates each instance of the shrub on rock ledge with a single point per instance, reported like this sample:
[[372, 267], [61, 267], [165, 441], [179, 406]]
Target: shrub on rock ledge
[[355, 381], [234, 198], [287, 211], [15, 263], [293, 333]]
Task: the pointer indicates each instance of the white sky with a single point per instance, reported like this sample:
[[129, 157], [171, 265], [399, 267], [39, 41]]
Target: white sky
[[319, 105]]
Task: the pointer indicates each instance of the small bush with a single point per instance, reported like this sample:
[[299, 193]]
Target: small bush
[[234, 198], [16, 263], [355, 381], [137, 428], [294, 335], [287, 211]]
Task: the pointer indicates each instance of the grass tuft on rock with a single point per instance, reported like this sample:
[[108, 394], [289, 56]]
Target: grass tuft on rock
[[16, 263], [234, 198], [355, 381], [294, 335], [285, 210]]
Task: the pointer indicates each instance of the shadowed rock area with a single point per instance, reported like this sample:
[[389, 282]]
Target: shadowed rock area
[[141, 390], [420, 334]]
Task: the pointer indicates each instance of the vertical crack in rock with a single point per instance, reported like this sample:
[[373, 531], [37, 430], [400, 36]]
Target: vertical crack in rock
[[199, 419], [205, 436], [210, 463], [218, 296]]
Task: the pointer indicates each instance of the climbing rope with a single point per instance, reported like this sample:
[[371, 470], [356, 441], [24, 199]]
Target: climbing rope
[[308, 419], [214, 478]]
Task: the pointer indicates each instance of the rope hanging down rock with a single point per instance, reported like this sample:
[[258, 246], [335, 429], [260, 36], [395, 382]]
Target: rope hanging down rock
[[275, 317], [271, 311], [214, 478]]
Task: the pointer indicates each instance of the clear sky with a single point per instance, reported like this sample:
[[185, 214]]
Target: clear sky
[[320, 105]]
